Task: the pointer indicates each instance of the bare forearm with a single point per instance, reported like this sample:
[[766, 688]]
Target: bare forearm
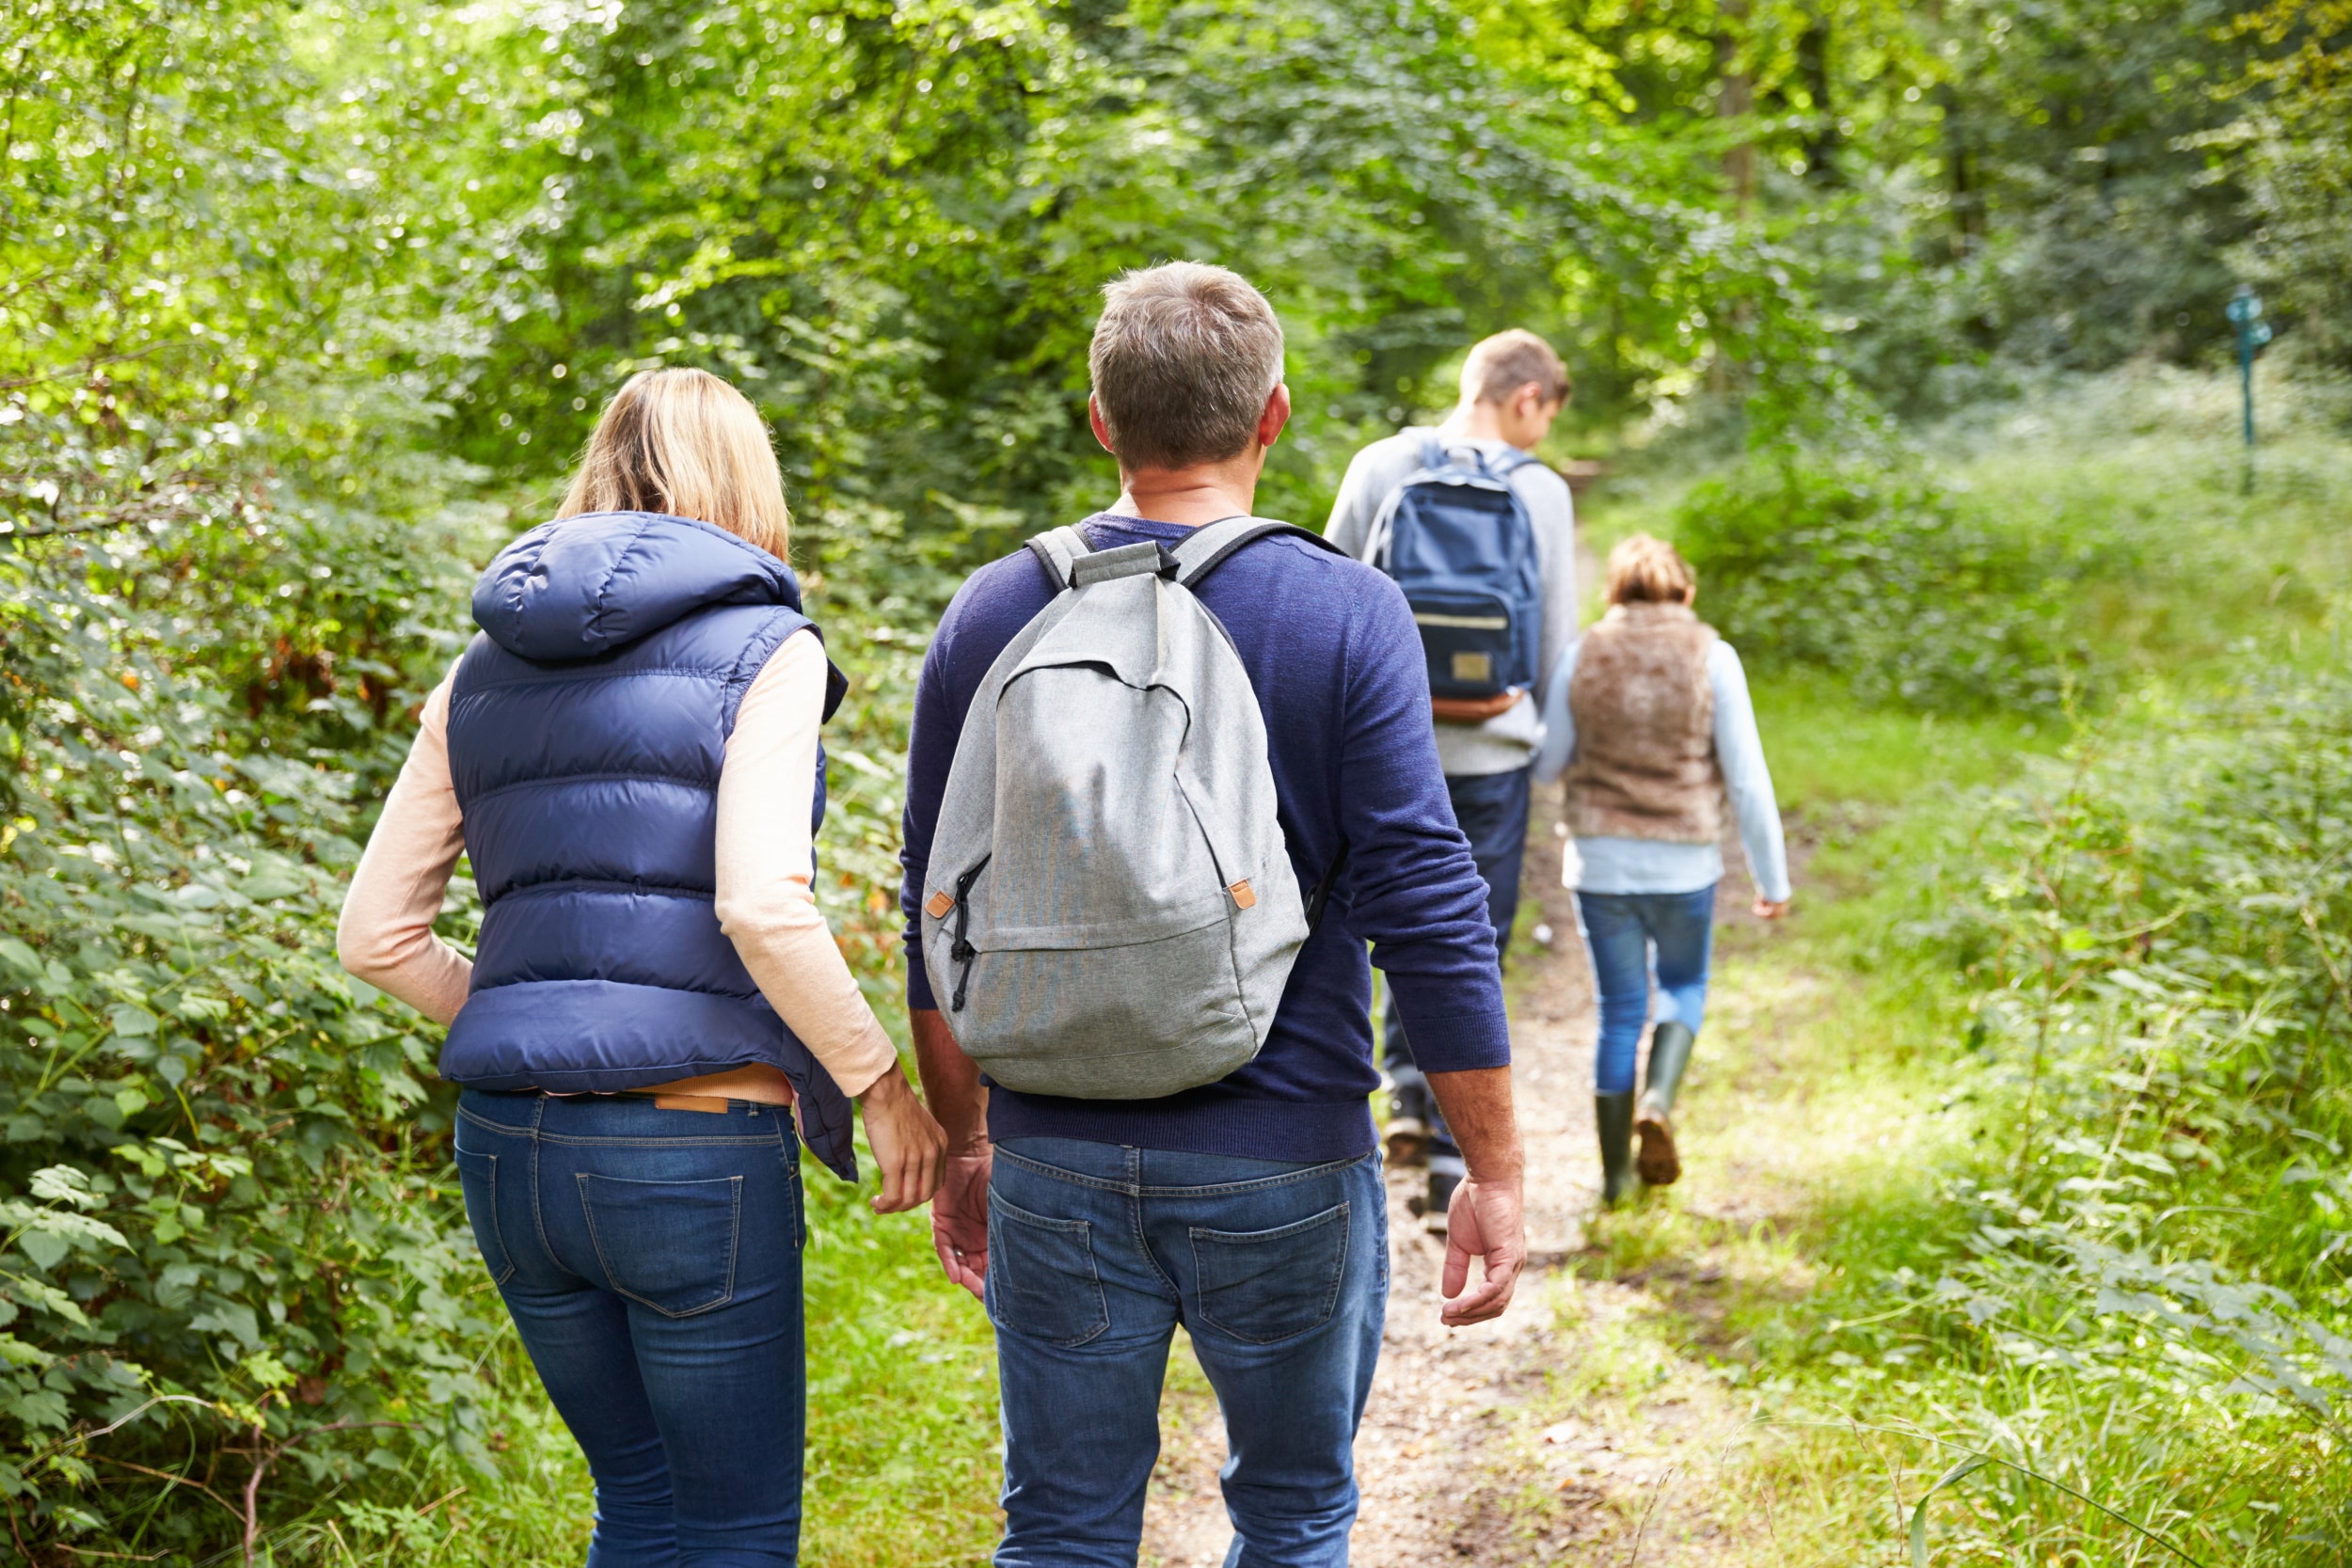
[[951, 1079], [1477, 1107]]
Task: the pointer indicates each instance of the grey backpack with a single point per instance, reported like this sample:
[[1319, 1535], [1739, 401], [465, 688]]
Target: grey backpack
[[1110, 911]]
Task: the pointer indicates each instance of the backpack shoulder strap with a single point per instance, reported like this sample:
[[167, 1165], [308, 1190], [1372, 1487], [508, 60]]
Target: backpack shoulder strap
[[1207, 548], [1510, 463], [1057, 550]]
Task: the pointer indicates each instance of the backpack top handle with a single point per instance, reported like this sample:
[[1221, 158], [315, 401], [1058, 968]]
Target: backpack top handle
[[1059, 550], [1150, 557]]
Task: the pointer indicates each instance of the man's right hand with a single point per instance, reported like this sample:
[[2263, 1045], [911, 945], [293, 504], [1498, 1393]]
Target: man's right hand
[[960, 1219]]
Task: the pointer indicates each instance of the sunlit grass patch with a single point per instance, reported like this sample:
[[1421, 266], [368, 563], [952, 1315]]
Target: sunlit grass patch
[[902, 1435]]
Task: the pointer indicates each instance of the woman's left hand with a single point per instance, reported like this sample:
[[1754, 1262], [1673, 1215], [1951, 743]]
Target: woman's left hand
[[1767, 909], [909, 1146]]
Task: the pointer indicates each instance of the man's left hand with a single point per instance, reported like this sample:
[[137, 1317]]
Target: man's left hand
[[1484, 1221]]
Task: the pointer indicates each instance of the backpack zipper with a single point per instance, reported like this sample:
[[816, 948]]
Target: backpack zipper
[[961, 950]]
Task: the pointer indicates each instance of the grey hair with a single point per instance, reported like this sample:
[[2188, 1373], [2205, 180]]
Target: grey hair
[[1183, 362]]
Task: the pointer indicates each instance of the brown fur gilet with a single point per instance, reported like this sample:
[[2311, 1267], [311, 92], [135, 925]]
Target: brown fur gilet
[[1644, 717]]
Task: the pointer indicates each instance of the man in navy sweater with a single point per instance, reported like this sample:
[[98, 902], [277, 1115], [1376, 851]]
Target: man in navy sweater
[[1250, 1210]]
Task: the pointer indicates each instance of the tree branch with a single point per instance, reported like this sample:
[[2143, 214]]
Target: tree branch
[[270, 1456]]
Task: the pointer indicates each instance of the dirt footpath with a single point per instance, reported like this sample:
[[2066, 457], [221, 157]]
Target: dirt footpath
[[1478, 1448]]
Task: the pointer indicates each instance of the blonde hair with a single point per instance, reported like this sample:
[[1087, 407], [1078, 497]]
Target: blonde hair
[[684, 442], [1501, 365], [1646, 569], [1183, 362]]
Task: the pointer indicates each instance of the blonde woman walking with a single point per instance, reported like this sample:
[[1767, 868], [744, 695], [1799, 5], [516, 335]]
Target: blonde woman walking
[[628, 753], [1649, 718]]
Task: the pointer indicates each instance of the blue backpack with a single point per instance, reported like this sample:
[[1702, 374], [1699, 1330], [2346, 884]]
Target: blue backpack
[[1458, 540]]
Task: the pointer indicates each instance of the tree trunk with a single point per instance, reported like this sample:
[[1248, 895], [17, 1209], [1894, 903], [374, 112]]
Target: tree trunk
[[1735, 99], [1822, 140], [1967, 204]]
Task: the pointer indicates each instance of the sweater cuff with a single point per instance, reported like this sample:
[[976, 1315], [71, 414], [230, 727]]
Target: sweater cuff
[[1461, 1042], [919, 997]]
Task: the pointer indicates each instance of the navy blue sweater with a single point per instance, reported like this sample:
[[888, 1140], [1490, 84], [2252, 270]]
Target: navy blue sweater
[[1336, 664]]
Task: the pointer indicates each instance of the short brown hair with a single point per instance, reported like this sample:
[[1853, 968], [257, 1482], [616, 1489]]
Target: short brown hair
[[1183, 362], [1645, 569], [684, 442], [1501, 365]]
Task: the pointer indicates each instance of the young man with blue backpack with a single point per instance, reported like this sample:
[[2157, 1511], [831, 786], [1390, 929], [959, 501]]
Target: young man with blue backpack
[[1480, 536], [1171, 771]]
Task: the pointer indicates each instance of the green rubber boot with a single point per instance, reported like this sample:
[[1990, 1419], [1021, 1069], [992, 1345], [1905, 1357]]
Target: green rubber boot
[[1669, 1054], [1613, 1115]]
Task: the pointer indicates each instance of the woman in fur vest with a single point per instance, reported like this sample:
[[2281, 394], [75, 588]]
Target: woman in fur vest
[[1650, 721]]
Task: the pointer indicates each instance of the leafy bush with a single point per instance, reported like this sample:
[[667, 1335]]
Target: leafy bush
[[2140, 1289], [1863, 564], [234, 1234]]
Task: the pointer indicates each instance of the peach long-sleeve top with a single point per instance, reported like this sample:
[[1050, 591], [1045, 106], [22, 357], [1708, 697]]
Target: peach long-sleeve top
[[766, 901]]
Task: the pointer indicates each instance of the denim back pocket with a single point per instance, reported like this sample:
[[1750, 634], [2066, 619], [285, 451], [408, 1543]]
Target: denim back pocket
[[1259, 1285], [478, 1178], [668, 1244], [1041, 1280]]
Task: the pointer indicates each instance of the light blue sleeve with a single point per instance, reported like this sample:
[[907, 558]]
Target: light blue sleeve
[[1741, 750], [1559, 747]]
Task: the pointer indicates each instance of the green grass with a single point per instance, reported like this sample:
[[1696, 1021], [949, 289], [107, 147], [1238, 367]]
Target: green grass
[[1831, 753], [902, 1455]]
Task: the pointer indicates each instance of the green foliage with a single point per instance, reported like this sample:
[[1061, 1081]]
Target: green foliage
[[891, 226], [2297, 144], [303, 306], [2073, 201], [2042, 552], [1863, 565], [236, 1198], [2137, 1285], [232, 1250]]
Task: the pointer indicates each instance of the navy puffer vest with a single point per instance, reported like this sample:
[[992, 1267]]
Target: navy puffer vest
[[587, 725]]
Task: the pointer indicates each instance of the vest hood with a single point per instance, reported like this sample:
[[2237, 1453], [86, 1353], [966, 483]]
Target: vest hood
[[580, 587]]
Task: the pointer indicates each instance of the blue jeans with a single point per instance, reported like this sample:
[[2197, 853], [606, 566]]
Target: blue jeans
[[651, 1260], [1279, 1272], [1491, 810], [1623, 929]]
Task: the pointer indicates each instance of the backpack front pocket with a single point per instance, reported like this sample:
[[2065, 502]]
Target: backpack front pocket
[[668, 1244], [1467, 640], [1131, 1022]]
